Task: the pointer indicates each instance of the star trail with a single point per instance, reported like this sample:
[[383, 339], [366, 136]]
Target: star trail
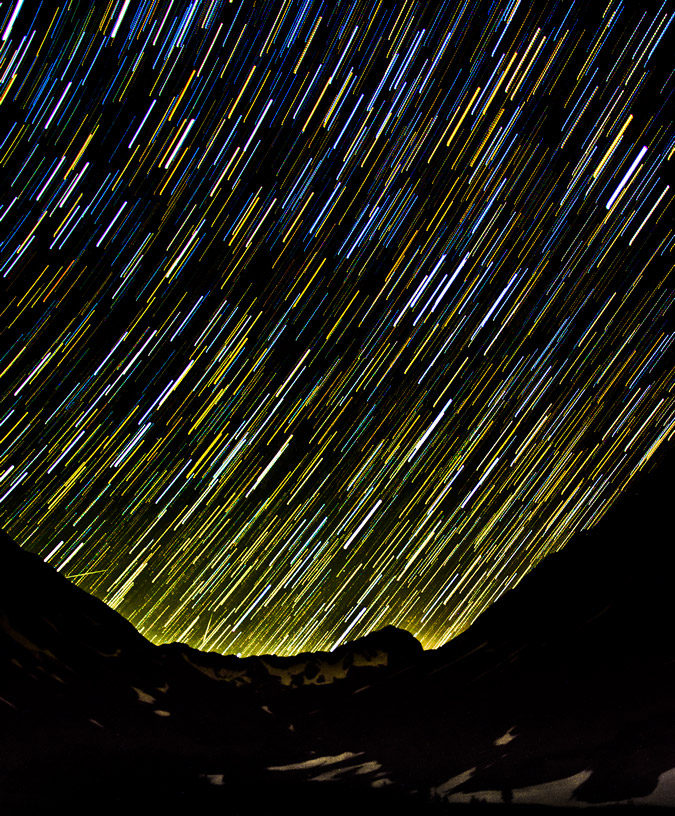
[[320, 316]]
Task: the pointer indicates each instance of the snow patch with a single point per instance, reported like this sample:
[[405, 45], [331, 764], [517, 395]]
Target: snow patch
[[506, 738], [559, 792], [454, 782], [380, 783], [490, 797], [379, 658], [143, 696], [237, 676], [286, 674], [214, 779], [316, 762], [325, 672], [662, 795], [358, 768]]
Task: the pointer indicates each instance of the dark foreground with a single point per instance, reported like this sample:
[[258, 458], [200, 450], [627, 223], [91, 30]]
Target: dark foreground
[[560, 695]]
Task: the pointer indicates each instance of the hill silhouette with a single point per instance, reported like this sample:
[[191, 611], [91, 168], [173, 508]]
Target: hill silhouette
[[559, 694]]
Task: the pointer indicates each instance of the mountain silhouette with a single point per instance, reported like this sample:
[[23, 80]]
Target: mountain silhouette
[[559, 694]]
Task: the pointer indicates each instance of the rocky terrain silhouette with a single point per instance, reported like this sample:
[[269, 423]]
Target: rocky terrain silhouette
[[560, 694]]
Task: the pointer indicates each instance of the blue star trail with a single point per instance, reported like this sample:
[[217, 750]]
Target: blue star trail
[[324, 316]]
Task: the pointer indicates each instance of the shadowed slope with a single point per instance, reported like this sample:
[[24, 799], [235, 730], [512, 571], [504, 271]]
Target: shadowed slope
[[87, 703], [569, 675]]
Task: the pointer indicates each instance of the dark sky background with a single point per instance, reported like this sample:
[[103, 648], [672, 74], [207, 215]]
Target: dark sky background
[[320, 316]]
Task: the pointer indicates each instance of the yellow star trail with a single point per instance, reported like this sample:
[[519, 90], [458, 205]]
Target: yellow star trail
[[324, 316]]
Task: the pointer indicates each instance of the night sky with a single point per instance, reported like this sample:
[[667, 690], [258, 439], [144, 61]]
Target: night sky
[[321, 316]]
